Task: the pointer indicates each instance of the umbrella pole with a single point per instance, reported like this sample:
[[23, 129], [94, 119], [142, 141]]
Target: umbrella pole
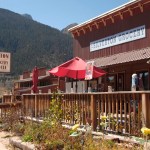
[[72, 83], [58, 83], [97, 85], [76, 85], [87, 85], [76, 81]]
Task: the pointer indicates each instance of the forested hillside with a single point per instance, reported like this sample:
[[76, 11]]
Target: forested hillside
[[32, 43]]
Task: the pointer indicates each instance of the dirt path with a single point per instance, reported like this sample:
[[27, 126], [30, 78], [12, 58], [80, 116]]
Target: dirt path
[[4, 140]]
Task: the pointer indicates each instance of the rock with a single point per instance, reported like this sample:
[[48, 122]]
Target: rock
[[146, 146], [17, 142]]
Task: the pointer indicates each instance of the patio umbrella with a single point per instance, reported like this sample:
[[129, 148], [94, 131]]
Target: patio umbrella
[[35, 80], [75, 68]]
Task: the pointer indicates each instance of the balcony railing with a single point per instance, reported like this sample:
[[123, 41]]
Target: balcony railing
[[125, 111]]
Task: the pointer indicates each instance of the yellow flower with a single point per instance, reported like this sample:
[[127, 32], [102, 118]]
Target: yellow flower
[[103, 117], [75, 126], [145, 131]]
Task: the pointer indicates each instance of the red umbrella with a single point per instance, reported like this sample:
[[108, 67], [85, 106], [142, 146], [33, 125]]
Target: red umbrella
[[35, 79], [75, 68]]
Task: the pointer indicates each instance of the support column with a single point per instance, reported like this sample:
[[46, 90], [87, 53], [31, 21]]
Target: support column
[[93, 112], [146, 109], [35, 106]]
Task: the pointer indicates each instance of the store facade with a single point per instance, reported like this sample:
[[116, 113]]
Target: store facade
[[119, 42]]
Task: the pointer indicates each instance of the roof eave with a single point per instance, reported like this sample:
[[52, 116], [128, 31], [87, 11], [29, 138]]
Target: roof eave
[[104, 14]]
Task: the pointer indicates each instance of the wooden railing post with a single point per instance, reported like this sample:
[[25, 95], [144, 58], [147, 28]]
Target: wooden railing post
[[35, 99], [146, 109], [93, 112], [23, 106]]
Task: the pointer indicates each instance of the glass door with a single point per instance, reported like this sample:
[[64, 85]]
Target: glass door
[[112, 81], [120, 82]]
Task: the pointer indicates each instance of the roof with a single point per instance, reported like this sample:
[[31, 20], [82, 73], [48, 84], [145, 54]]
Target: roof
[[30, 79], [26, 89], [123, 57], [129, 9], [102, 15]]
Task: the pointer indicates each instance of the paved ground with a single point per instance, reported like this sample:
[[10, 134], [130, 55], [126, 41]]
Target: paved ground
[[4, 140]]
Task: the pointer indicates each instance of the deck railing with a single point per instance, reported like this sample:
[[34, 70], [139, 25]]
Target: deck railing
[[36, 105], [125, 111], [10, 103]]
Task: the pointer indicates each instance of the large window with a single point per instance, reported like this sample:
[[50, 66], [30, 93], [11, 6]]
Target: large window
[[116, 81]]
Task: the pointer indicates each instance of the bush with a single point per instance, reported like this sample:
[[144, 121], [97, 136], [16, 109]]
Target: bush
[[27, 138]]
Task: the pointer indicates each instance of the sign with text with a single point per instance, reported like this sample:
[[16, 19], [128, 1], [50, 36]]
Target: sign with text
[[89, 70], [119, 38], [5, 62]]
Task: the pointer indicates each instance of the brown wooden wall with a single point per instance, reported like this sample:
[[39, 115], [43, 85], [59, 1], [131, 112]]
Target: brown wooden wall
[[82, 42]]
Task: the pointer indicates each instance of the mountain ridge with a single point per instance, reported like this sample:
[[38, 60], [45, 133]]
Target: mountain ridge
[[32, 43]]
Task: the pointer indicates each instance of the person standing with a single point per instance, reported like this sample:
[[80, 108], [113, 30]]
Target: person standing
[[134, 84]]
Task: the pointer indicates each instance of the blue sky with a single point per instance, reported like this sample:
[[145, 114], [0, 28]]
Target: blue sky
[[60, 13]]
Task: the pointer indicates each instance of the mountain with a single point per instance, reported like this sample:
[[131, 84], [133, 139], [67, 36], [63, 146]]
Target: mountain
[[32, 43], [28, 16], [65, 30]]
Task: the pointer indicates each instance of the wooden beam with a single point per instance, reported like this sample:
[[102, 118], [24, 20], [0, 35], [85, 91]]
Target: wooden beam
[[78, 33], [121, 15], [90, 28], [112, 19], [141, 7], [93, 112], [96, 24], [130, 11], [10, 104], [83, 30], [104, 22], [145, 109]]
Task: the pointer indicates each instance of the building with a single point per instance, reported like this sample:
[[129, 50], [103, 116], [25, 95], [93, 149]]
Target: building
[[46, 82], [119, 42]]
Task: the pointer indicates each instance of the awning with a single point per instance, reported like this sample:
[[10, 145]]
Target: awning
[[123, 57]]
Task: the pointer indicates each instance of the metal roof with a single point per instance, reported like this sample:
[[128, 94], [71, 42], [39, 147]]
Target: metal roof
[[123, 57]]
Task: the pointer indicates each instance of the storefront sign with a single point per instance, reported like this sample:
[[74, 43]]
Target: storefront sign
[[89, 70], [5, 62], [119, 38]]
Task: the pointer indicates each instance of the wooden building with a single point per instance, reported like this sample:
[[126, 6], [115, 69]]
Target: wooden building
[[119, 42], [46, 82]]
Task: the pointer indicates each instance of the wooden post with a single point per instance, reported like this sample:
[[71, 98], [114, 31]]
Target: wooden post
[[24, 105], [35, 99], [12, 98], [145, 109], [93, 112]]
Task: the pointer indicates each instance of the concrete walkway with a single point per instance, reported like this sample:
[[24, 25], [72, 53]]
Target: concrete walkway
[[4, 140]]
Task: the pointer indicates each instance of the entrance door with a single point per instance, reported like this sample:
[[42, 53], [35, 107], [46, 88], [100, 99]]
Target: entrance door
[[120, 82], [112, 81]]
